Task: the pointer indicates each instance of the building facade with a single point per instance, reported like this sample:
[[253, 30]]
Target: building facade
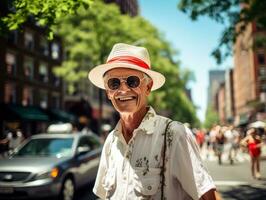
[[249, 74], [129, 7], [221, 103], [216, 77], [229, 96], [28, 85]]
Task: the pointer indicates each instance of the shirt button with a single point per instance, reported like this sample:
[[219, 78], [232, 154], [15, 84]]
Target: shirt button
[[149, 187]]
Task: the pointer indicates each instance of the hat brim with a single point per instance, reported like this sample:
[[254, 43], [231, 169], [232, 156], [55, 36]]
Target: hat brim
[[96, 74]]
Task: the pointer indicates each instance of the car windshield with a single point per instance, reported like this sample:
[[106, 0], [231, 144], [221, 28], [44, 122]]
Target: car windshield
[[58, 147]]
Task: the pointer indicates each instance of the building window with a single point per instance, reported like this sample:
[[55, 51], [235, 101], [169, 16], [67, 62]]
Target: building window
[[262, 71], [12, 37], [28, 40], [261, 59], [55, 80], [28, 67], [43, 99], [43, 72], [263, 87], [10, 6], [44, 46], [55, 50], [10, 93], [11, 63], [55, 101], [27, 96]]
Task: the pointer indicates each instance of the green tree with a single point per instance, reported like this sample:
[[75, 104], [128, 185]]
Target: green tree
[[45, 12], [230, 13], [211, 117], [89, 37]]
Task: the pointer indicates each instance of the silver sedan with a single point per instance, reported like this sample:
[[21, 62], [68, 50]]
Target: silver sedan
[[50, 165]]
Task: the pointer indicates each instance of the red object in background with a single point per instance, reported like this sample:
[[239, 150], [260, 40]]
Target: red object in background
[[95, 113]]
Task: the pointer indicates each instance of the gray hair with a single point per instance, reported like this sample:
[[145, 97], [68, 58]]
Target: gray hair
[[147, 78]]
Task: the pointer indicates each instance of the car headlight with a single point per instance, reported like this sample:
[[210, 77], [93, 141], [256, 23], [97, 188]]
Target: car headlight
[[50, 174]]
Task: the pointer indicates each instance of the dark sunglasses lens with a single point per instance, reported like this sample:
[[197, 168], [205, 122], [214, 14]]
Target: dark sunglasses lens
[[133, 81], [113, 83]]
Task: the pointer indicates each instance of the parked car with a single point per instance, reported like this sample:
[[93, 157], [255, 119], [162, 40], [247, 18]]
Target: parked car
[[50, 165]]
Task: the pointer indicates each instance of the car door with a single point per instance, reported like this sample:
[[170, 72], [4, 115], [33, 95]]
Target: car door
[[88, 156]]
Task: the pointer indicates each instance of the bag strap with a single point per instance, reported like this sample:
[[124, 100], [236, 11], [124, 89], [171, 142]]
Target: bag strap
[[163, 167]]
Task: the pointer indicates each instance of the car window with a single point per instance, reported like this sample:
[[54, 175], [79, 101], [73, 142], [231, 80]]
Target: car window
[[89, 141], [47, 147]]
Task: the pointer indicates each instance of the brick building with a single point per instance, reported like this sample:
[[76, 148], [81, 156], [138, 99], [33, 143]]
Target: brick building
[[249, 75], [30, 93]]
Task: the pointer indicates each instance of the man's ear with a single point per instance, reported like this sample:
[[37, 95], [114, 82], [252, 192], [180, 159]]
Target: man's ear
[[107, 93], [149, 86]]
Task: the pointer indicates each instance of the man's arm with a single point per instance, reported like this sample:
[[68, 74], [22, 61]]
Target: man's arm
[[211, 195]]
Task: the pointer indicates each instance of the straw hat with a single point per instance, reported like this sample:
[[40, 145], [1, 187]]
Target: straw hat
[[126, 56]]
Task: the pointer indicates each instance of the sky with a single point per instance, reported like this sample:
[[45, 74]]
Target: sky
[[194, 40]]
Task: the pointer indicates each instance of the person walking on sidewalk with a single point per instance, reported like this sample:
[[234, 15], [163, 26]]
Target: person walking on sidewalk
[[253, 142], [146, 156]]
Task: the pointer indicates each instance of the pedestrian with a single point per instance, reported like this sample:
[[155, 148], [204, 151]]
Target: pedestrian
[[15, 138], [220, 140], [4, 143], [200, 137], [146, 156], [253, 142]]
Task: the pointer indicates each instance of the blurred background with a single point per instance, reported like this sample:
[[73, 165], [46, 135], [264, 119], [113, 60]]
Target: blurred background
[[213, 54]]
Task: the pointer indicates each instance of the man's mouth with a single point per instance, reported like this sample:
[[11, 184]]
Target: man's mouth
[[126, 98]]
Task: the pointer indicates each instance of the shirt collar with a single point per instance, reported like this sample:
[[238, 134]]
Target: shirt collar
[[146, 126]]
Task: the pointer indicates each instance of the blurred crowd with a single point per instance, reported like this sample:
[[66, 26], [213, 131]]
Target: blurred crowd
[[230, 141]]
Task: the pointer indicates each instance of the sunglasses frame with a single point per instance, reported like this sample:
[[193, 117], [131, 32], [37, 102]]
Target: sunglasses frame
[[123, 79]]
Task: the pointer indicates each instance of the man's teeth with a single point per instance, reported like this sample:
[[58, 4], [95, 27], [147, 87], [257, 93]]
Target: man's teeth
[[125, 98]]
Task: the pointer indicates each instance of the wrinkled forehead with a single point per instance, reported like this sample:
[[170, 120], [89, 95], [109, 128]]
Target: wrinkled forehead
[[123, 72]]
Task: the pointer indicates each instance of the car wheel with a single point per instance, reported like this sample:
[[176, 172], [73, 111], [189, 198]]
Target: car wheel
[[68, 189]]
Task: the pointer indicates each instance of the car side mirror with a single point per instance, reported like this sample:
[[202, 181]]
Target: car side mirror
[[83, 150]]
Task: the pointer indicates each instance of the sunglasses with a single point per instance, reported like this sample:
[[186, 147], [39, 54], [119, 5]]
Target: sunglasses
[[131, 81]]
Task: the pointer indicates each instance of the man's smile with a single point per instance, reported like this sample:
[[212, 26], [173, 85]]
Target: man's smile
[[125, 98]]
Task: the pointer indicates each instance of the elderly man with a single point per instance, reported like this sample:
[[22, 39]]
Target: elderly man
[[146, 156]]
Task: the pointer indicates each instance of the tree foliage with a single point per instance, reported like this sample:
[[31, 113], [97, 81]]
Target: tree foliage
[[45, 12], [89, 37], [211, 118], [230, 13]]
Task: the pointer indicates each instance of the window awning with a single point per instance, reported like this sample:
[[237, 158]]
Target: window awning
[[57, 115], [19, 112], [244, 120]]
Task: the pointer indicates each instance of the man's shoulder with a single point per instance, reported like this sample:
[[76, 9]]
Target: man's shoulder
[[175, 127]]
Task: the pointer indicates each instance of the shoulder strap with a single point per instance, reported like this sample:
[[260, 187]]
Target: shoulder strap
[[163, 167]]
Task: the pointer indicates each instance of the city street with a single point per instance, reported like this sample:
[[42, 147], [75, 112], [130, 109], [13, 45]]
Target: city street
[[234, 182]]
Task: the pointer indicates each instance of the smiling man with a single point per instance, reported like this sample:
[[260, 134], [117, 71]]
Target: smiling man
[[146, 156]]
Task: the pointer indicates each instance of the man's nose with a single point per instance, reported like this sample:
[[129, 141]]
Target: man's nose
[[123, 86]]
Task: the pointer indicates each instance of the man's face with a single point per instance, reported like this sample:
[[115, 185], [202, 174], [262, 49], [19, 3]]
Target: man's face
[[126, 99]]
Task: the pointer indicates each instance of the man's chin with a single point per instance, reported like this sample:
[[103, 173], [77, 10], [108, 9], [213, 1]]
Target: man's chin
[[126, 109]]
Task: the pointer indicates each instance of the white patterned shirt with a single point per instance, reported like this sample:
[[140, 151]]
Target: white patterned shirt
[[133, 171]]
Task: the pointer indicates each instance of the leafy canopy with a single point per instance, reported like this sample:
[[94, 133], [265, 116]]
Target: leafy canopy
[[89, 37], [230, 13], [45, 12], [211, 118]]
